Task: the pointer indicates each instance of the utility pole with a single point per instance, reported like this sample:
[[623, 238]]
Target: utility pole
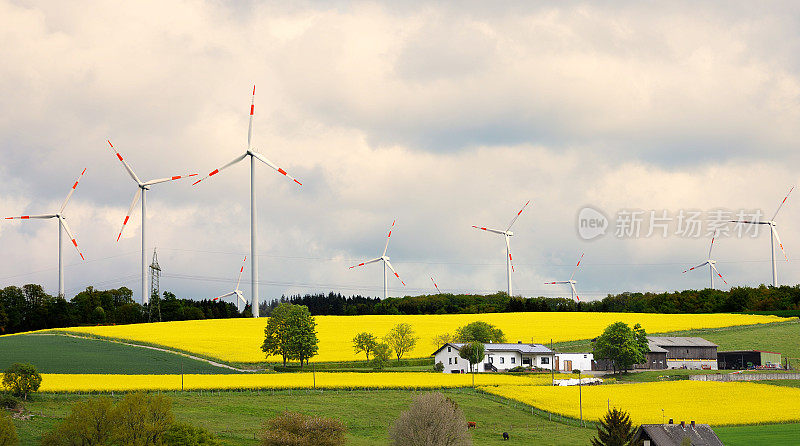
[[552, 364], [580, 397], [155, 288]]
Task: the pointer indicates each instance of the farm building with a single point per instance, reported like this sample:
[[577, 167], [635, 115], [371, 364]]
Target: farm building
[[498, 357], [567, 362], [675, 435], [687, 352], [743, 359]]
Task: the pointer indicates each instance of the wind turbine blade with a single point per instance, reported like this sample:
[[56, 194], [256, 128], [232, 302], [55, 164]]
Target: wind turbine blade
[[366, 263], [130, 211], [240, 297], [720, 275], [27, 217], [216, 171], [74, 186], [517, 216], [240, 273], [250, 124], [576, 267], [496, 231], [124, 163], [712, 244], [748, 222], [269, 163], [388, 237], [395, 272], [782, 202], [574, 291], [71, 236], [695, 267], [510, 259], [164, 180], [778, 239], [435, 286], [556, 283], [224, 295]]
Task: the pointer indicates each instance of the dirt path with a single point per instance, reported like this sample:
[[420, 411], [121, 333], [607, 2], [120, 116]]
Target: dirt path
[[185, 355]]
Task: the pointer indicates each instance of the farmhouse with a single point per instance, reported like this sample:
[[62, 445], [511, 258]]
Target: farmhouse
[[497, 357], [567, 362], [675, 435]]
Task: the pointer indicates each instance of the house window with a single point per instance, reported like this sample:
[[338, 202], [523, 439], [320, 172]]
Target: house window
[[448, 349], [513, 360], [491, 360], [502, 359], [584, 356], [455, 360], [526, 361], [450, 361], [545, 360]]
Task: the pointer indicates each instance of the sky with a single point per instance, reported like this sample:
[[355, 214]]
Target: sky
[[439, 116]]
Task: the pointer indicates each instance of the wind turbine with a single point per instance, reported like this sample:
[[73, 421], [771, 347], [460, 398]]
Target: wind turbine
[[773, 231], [571, 281], [711, 268], [507, 234], [435, 286], [385, 259], [142, 188], [254, 155], [236, 292], [62, 224]]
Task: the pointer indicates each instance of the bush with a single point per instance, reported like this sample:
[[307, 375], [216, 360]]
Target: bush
[[9, 402], [431, 420], [438, 367], [182, 434], [21, 379], [89, 422], [8, 433], [296, 429], [381, 355]]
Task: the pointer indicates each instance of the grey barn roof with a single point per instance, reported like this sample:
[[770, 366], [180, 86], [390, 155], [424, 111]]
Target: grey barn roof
[[654, 348], [673, 434], [678, 341], [521, 348]]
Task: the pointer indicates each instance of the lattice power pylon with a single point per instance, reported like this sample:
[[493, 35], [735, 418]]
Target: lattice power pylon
[[155, 289]]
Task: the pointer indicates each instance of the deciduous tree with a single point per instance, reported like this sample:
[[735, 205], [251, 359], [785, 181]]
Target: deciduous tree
[[479, 331], [402, 339], [21, 379], [364, 342]]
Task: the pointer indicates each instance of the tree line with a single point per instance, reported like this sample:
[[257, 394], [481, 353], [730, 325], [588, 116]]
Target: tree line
[[31, 308]]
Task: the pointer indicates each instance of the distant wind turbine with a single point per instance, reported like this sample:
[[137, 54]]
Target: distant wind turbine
[[773, 230], [254, 155], [435, 286], [711, 264], [142, 188], [385, 259], [571, 281], [507, 234], [236, 292], [62, 224]]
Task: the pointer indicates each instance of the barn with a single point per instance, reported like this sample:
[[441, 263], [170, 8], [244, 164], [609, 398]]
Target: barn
[[743, 359], [686, 352]]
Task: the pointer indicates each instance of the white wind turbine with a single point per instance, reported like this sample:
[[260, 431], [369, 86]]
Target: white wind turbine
[[385, 259], [62, 224], [254, 155], [435, 286], [571, 281], [507, 234], [711, 264], [773, 231], [142, 188], [236, 292]]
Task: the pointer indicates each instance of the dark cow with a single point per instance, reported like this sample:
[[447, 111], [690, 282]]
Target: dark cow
[[505, 436]]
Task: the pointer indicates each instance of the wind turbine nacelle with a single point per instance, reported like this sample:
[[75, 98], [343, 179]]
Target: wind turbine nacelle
[[509, 233]]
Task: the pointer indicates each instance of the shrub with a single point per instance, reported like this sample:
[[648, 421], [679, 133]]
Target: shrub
[[438, 367], [296, 429], [8, 433], [9, 402], [182, 434], [431, 420], [21, 379], [381, 355], [89, 422]]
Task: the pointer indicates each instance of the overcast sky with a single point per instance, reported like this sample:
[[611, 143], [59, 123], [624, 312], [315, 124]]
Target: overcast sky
[[439, 116]]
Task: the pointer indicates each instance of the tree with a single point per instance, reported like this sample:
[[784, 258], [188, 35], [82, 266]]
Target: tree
[[291, 333], [615, 429], [442, 339], [21, 379], [296, 429], [401, 338], [431, 420], [479, 331], [142, 419], [364, 342], [641, 342], [473, 353], [89, 422], [8, 433], [382, 353], [618, 344]]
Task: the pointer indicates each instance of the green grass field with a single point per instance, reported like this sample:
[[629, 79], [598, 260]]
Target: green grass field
[[778, 337], [236, 417], [765, 434], [62, 354]]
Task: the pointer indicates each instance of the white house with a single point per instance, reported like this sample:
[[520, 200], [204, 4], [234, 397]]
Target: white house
[[567, 362], [497, 357]]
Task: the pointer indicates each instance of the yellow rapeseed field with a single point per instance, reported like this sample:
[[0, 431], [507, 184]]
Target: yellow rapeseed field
[[716, 403], [344, 380], [239, 340]]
